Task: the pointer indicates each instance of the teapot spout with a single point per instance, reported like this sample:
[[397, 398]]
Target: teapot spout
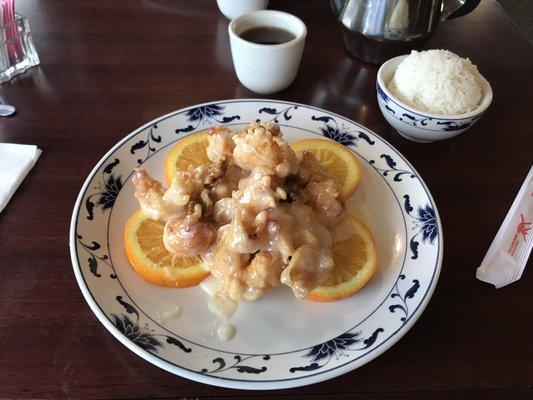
[[337, 6], [456, 8]]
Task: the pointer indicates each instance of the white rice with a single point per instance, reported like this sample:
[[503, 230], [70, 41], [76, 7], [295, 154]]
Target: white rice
[[437, 81]]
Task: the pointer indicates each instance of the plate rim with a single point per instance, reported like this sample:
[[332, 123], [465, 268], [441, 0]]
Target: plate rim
[[229, 382]]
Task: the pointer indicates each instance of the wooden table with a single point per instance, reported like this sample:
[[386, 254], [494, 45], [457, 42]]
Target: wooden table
[[109, 67]]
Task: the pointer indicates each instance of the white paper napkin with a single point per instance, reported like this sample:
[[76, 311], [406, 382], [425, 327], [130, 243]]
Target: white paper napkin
[[16, 160]]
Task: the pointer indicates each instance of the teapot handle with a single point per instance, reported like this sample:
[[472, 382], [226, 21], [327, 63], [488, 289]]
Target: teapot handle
[[454, 12]]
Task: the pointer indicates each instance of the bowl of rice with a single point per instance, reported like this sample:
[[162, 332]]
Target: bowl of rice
[[431, 95]]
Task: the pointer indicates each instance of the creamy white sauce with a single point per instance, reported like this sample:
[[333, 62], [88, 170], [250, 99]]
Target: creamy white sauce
[[210, 285], [221, 305], [226, 332], [170, 314]]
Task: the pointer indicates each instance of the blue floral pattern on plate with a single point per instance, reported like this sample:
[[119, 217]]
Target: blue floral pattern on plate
[[206, 114], [425, 222], [142, 336], [107, 190], [339, 346]]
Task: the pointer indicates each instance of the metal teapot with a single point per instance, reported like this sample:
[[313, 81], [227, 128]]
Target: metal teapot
[[376, 30]]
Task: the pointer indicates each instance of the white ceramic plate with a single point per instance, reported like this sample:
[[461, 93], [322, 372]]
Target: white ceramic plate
[[280, 342]]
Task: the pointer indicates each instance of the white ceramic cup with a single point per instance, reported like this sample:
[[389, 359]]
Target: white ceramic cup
[[266, 68], [233, 8]]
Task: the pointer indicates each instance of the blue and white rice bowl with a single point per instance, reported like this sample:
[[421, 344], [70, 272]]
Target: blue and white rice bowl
[[421, 126]]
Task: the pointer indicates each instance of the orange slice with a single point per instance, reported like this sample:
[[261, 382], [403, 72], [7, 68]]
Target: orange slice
[[338, 159], [143, 241], [188, 151], [356, 258]]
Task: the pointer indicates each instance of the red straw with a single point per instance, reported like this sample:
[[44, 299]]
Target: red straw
[[13, 47]]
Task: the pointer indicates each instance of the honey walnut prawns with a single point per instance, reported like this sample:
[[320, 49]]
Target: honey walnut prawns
[[259, 323], [256, 214]]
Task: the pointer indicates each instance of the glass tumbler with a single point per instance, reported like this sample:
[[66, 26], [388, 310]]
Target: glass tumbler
[[17, 52]]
